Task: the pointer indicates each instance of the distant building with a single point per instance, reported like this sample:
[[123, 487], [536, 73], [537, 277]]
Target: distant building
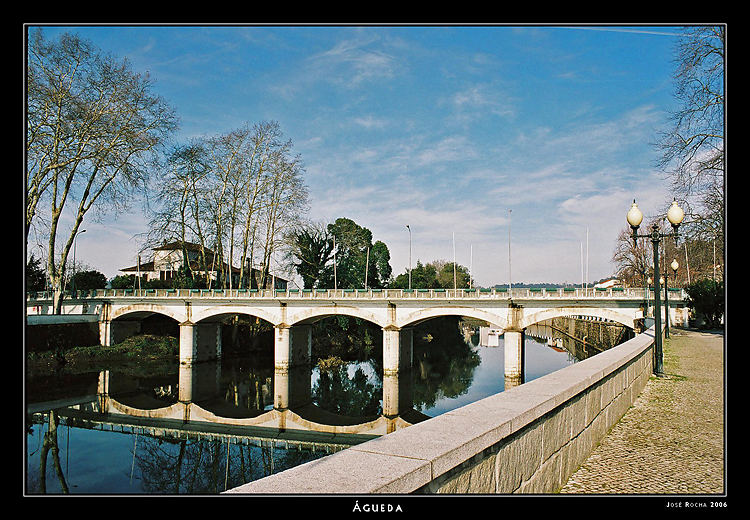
[[168, 259], [490, 336], [607, 284]]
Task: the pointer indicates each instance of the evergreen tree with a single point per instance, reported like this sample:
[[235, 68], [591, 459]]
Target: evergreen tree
[[35, 275]]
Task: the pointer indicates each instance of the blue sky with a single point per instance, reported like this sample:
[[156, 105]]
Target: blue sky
[[443, 128]]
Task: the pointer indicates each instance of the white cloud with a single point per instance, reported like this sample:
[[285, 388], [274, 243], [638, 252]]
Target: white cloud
[[370, 122], [351, 62], [448, 149], [481, 99]]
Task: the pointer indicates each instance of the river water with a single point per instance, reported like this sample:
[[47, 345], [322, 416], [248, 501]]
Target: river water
[[72, 451]]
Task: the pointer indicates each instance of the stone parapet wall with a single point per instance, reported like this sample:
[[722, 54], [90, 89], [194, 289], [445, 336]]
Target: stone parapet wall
[[540, 456], [528, 439]]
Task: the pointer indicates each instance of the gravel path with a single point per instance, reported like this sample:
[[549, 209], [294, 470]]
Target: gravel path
[[671, 441]]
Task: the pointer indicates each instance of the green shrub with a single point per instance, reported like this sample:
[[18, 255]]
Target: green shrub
[[706, 297]]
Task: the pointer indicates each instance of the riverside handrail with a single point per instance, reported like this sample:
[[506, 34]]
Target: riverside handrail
[[327, 294]]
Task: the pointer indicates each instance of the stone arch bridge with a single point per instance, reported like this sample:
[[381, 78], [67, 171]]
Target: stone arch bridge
[[291, 312]]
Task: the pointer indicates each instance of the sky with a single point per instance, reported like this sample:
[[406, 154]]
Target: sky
[[521, 148]]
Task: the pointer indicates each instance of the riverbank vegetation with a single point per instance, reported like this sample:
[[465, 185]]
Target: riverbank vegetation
[[144, 347]]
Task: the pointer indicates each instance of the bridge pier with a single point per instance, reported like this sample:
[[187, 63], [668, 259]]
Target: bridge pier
[[292, 346], [187, 343], [292, 387], [397, 394], [292, 358], [398, 347], [199, 342], [102, 391], [198, 381], [112, 332], [513, 341], [105, 333]]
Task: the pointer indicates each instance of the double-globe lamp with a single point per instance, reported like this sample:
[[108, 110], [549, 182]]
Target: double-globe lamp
[[675, 214]]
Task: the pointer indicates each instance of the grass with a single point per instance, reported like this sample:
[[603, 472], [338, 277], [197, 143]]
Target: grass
[[141, 347]]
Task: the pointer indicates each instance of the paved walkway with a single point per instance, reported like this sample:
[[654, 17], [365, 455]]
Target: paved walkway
[[671, 441]]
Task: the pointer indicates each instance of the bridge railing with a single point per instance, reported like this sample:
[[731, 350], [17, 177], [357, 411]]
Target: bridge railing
[[477, 293]]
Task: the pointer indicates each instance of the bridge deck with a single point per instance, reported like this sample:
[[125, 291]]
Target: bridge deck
[[374, 294]]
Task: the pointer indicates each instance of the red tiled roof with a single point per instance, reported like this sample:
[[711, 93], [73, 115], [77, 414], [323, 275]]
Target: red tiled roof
[[147, 266]]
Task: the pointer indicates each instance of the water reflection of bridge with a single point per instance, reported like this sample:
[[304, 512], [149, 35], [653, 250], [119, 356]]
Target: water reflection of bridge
[[85, 415], [565, 334], [198, 409]]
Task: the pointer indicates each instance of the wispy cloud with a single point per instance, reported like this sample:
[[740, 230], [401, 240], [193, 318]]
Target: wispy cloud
[[371, 122], [448, 149], [629, 30], [481, 99], [351, 62]]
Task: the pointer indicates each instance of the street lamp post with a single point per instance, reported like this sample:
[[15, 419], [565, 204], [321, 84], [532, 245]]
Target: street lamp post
[[674, 265], [666, 304], [634, 218]]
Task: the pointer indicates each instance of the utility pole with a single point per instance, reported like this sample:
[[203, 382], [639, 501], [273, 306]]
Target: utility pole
[[367, 265], [471, 263], [510, 278], [454, 261], [587, 259], [407, 227]]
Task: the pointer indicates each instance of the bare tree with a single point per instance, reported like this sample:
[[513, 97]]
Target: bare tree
[[235, 192], [692, 150], [226, 153], [287, 198], [264, 140], [93, 128], [177, 199], [632, 261]]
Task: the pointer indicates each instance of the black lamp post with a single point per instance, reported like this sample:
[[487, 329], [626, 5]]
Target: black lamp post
[[635, 217], [674, 265], [666, 304]]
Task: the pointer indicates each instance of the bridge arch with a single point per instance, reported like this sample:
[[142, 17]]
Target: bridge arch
[[308, 316], [608, 314], [434, 312], [149, 308], [272, 316]]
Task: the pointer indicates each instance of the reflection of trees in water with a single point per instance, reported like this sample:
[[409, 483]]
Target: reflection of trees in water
[[247, 385], [247, 392], [444, 362], [357, 396], [208, 466], [50, 447], [346, 337], [444, 365], [167, 465]]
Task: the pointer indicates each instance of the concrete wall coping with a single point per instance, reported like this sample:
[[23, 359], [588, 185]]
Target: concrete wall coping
[[60, 319], [408, 459]]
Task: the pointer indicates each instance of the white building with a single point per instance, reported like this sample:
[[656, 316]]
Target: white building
[[490, 336], [168, 259]]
